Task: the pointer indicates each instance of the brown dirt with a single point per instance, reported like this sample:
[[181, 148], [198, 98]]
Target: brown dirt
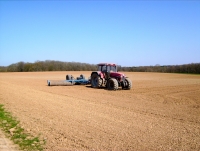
[[161, 112]]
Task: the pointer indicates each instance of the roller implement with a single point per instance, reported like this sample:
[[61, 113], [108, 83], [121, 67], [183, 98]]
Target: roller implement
[[70, 80]]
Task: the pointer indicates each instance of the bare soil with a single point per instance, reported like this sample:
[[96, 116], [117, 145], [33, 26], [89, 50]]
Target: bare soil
[[161, 112]]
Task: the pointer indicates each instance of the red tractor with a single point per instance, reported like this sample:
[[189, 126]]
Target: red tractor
[[108, 76]]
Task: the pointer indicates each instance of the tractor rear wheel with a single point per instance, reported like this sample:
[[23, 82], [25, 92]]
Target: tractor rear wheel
[[128, 84], [96, 81], [112, 84]]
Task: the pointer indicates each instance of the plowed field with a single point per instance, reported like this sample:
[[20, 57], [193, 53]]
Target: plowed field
[[161, 112]]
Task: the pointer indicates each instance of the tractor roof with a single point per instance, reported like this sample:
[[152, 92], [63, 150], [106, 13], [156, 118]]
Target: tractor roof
[[107, 64]]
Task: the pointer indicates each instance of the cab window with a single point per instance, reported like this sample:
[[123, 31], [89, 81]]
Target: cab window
[[99, 68], [103, 68]]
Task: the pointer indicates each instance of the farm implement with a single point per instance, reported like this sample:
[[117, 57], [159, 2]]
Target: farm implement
[[106, 76], [70, 80]]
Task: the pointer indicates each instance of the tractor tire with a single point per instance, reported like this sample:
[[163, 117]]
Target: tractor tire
[[96, 81], [112, 84], [128, 84]]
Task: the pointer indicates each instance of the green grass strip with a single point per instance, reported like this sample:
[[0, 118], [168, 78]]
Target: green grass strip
[[11, 126]]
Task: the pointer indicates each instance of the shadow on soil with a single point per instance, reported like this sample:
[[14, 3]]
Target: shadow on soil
[[87, 86], [103, 88]]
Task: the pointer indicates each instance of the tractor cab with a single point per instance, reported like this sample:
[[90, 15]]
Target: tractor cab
[[107, 67]]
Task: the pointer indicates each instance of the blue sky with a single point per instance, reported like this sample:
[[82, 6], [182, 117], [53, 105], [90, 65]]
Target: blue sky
[[129, 33]]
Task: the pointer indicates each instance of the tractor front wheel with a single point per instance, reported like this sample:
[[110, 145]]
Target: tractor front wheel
[[96, 81], [128, 84], [112, 84]]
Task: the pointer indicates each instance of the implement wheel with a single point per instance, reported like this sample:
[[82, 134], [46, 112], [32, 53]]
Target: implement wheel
[[112, 84], [96, 81], [68, 77]]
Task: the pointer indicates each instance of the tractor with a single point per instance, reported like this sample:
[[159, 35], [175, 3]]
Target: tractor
[[108, 76]]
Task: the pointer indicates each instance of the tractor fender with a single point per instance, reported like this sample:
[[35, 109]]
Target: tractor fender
[[98, 73]]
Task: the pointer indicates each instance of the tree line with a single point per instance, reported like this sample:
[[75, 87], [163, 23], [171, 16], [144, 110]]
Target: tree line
[[193, 68], [50, 65]]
